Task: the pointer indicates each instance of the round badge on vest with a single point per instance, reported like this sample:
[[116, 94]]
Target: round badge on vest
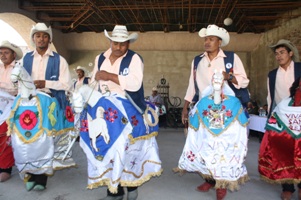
[[229, 65]]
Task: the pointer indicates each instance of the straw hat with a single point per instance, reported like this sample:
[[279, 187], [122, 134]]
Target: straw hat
[[40, 27], [213, 30], [13, 47], [289, 45], [120, 34], [154, 89]]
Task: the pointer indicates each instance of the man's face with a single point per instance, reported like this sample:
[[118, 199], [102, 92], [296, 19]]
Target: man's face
[[41, 40], [7, 56], [80, 73], [119, 48], [282, 56], [212, 44]]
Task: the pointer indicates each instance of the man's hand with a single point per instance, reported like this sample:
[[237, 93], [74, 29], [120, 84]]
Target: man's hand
[[102, 75], [226, 75], [39, 84], [106, 76], [184, 115]]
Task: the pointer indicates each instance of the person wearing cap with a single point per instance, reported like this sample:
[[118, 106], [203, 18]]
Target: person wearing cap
[[155, 98], [50, 72], [212, 60], [9, 54], [281, 78], [82, 77], [120, 71], [279, 83]]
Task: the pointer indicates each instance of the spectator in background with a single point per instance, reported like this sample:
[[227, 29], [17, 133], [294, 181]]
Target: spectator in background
[[82, 74], [155, 98], [253, 108]]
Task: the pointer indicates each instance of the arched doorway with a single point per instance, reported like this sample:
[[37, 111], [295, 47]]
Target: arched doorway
[[18, 25]]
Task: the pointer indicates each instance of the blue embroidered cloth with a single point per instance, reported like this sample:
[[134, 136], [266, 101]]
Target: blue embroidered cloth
[[27, 119], [115, 121], [217, 118]]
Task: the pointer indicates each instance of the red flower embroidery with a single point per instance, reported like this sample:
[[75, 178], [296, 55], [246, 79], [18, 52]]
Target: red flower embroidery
[[209, 106], [84, 126], [228, 113], [191, 156], [272, 120], [223, 107], [205, 113], [69, 114], [111, 115], [134, 120], [28, 120]]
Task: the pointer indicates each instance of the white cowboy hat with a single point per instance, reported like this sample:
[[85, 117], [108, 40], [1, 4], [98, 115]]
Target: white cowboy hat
[[120, 34], [83, 69], [154, 89], [213, 30], [13, 47], [289, 45], [40, 27]]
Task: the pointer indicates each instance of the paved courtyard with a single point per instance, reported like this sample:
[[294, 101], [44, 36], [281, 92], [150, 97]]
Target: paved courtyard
[[70, 184]]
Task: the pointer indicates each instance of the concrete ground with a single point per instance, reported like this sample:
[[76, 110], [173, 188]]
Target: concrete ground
[[70, 184]]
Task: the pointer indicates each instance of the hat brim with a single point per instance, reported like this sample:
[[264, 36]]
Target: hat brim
[[295, 57], [224, 37], [35, 30], [84, 70], [132, 37], [17, 50]]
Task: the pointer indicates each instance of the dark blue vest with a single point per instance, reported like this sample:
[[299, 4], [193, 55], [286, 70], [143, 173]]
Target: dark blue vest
[[242, 94], [272, 82], [137, 98], [86, 81], [52, 74]]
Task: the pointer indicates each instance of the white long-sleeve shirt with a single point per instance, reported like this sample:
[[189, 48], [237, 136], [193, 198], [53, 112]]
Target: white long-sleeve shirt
[[130, 82], [205, 71], [39, 67]]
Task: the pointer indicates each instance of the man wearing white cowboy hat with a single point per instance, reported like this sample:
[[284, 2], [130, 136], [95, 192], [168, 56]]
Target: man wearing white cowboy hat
[[82, 77], [121, 71], [50, 72], [155, 98], [279, 83], [213, 59], [280, 79], [9, 53]]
